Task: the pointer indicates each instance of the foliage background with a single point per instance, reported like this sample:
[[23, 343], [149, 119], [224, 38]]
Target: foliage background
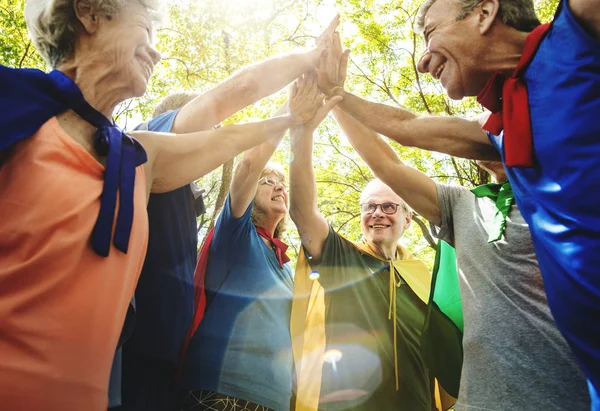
[[204, 42]]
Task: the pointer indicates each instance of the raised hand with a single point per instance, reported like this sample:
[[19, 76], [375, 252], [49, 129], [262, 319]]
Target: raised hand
[[306, 101], [325, 39], [332, 68]]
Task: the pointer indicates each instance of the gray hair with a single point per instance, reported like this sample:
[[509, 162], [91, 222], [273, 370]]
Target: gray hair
[[518, 14], [174, 101], [377, 182], [53, 25], [257, 213]]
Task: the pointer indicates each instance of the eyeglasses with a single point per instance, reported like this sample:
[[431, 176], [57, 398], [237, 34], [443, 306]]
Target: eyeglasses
[[270, 181], [386, 208]]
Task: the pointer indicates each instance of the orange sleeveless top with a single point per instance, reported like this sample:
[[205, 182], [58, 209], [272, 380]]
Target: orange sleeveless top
[[61, 305]]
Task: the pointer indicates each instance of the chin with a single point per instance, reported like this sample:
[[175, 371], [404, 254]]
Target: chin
[[454, 94]]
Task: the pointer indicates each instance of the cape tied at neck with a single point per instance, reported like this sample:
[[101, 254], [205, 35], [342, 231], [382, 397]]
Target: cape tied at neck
[[508, 101], [502, 196], [29, 98], [279, 246]]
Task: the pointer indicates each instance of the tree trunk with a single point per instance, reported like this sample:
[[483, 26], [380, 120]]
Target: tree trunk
[[226, 177]]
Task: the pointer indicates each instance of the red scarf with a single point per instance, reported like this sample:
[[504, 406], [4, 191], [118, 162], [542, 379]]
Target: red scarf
[[507, 99], [279, 246]]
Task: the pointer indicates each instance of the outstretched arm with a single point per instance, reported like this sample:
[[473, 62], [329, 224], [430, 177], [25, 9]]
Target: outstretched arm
[[450, 135], [311, 224], [248, 170], [418, 190], [249, 85], [176, 160]]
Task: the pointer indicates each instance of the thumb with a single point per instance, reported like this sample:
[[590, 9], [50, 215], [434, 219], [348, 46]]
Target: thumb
[[324, 110]]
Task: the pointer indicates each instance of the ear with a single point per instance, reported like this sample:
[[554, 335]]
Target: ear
[[408, 219], [488, 11], [87, 15]]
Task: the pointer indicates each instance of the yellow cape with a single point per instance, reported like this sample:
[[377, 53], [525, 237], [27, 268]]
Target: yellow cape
[[308, 319]]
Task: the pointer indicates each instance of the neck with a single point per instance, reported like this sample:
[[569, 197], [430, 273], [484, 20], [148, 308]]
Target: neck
[[504, 55], [269, 224], [102, 87], [386, 251], [498, 178]]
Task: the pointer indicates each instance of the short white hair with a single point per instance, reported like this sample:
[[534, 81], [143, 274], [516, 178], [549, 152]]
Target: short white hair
[[376, 185], [53, 25]]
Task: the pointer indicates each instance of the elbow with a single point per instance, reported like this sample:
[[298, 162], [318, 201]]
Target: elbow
[[246, 87]]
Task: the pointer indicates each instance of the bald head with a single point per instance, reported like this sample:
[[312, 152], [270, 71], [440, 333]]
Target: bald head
[[376, 188]]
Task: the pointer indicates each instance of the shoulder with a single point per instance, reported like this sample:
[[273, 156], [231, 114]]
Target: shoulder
[[163, 122]]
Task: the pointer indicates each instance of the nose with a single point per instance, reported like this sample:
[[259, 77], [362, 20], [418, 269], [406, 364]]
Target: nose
[[378, 213], [423, 64], [154, 55], [279, 187]]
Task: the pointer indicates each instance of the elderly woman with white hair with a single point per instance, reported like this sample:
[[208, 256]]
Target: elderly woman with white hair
[[73, 192]]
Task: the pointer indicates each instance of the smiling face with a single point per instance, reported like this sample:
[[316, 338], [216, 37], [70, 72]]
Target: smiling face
[[272, 196], [379, 228], [122, 43], [456, 49]]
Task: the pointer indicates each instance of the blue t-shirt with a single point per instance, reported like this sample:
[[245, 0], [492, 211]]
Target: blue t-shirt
[[242, 347], [560, 197], [165, 291]]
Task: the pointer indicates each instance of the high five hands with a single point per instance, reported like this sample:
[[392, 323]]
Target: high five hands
[[306, 102], [331, 73]]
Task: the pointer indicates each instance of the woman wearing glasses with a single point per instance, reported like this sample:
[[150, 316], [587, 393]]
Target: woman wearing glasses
[[240, 355]]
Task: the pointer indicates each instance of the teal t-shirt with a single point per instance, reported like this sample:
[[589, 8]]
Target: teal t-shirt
[[242, 347]]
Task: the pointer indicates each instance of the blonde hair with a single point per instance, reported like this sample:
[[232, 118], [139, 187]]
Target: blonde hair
[[53, 25], [257, 213], [174, 101]]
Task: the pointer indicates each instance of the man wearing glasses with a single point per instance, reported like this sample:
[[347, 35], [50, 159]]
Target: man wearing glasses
[[369, 357]]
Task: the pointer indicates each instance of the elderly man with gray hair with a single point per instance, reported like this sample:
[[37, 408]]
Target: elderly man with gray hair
[[69, 270]]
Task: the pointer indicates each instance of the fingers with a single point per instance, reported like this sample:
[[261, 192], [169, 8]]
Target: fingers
[[324, 110], [294, 89], [335, 22], [337, 45], [343, 66]]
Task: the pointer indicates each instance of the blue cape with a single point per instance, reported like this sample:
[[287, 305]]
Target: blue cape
[[29, 98]]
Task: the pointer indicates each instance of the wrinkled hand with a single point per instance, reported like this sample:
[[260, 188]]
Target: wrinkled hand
[[332, 68], [325, 39], [306, 102]]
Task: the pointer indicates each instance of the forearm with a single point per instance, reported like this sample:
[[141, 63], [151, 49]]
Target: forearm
[[450, 135], [410, 184], [312, 226], [249, 169], [303, 188], [378, 117], [378, 155], [243, 88], [180, 159]]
